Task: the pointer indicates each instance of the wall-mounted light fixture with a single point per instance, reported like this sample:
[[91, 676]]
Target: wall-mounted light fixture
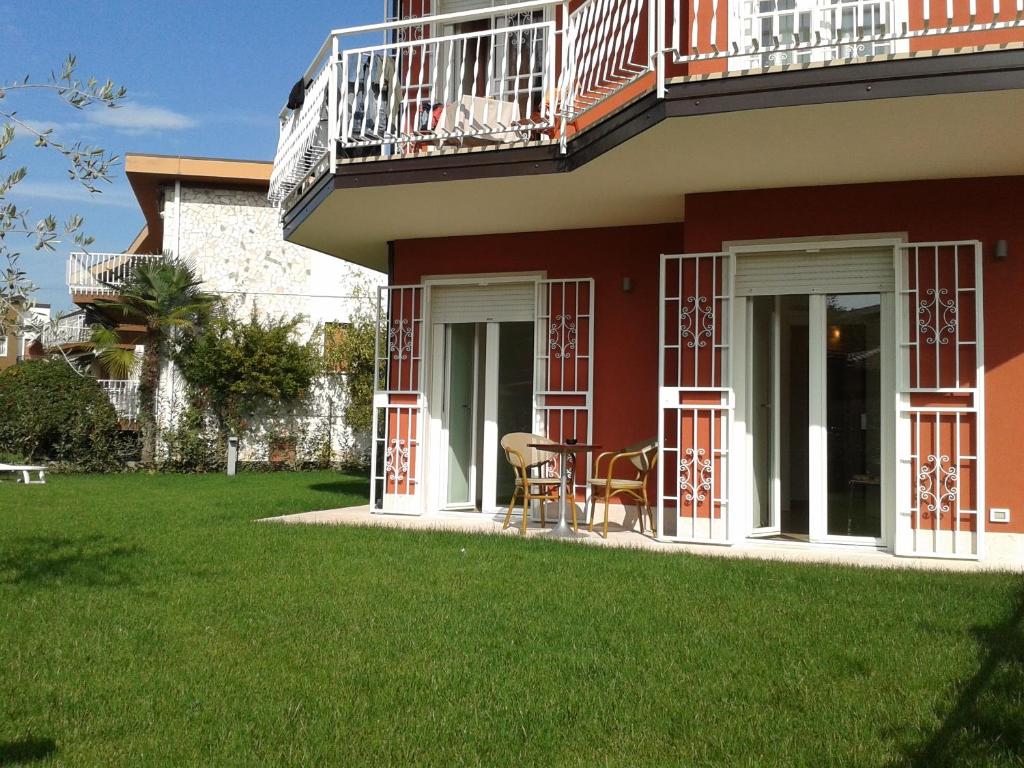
[[627, 284], [1002, 249]]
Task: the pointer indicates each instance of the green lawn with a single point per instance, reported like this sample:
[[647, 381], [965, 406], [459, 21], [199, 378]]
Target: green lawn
[[148, 621]]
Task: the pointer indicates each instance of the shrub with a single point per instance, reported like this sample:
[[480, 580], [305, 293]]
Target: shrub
[[51, 413], [235, 367], [356, 347], [193, 445]]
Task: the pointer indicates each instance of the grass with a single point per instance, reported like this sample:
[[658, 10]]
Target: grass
[[147, 621]]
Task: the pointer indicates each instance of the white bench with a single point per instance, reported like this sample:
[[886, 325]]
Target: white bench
[[25, 471]]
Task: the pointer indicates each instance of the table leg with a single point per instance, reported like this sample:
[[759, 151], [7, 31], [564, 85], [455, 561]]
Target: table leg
[[563, 530]]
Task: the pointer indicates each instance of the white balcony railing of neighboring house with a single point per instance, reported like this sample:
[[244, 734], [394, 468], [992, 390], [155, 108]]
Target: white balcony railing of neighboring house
[[489, 76], [102, 274], [523, 70], [124, 396], [67, 330]]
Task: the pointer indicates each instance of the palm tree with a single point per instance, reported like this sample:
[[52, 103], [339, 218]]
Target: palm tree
[[166, 296]]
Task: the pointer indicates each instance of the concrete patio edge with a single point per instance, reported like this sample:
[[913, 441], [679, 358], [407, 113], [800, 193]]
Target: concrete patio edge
[[623, 538]]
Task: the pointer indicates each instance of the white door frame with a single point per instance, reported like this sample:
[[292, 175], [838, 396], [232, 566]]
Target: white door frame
[[741, 460], [436, 451]]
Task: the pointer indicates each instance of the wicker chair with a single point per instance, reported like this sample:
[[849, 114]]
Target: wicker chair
[[643, 456], [523, 458]]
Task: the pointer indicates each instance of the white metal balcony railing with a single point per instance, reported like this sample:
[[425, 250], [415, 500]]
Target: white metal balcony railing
[[770, 33], [124, 396], [522, 70], [487, 77], [102, 274], [67, 330]]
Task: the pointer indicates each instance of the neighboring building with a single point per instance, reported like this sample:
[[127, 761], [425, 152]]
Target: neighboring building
[[38, 320], [785, 239], [214, 214], [20, 332], [10, 339]]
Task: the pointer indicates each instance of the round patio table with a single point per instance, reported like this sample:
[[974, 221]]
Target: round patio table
[[563, 530]]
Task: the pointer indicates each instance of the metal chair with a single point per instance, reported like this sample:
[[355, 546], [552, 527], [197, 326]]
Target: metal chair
[[643, 456], [523, 458]]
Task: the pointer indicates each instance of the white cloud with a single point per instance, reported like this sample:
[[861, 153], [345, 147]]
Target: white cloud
[[136, 118]]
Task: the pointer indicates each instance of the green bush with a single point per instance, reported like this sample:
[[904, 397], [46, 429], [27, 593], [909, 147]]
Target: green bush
[[193, 446], [49, 413], [235, 367]]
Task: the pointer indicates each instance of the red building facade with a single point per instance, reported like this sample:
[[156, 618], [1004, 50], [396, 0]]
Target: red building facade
[[792, 260]]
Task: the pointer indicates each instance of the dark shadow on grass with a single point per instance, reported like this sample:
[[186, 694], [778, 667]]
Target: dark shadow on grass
[[25, 751], [93, 561], [351, 487], [985, 724]]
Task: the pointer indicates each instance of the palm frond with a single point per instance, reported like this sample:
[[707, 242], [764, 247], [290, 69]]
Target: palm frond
[[119, 361]]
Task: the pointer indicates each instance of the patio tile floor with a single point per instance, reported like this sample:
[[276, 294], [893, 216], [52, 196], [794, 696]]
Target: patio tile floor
[[622, 537]]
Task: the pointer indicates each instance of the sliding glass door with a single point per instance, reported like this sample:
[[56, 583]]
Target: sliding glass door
[[817, 366], [486, 392], [853, 414], [460, 409]]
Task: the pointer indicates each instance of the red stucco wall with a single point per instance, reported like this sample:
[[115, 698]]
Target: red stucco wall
[[626, 324], [974, 209]]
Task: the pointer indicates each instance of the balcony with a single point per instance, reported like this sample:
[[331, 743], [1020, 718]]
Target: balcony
[[473, 79], [102, 274], [536, 73], [68, 330], [124, 396]]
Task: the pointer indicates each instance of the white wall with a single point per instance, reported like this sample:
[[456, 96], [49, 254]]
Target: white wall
[[233, 238]]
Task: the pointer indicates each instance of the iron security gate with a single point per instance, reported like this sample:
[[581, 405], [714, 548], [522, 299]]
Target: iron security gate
[[941, 485], [396, 456], [696, 400], [564, 370]]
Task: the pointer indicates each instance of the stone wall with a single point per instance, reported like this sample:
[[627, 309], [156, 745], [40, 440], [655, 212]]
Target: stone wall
[[233, 238]]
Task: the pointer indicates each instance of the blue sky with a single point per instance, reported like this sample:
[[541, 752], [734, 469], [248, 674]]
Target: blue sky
[[204, 78]]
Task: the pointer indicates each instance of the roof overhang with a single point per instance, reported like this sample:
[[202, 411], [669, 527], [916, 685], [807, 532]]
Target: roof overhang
[[148, 173], [918, 117]]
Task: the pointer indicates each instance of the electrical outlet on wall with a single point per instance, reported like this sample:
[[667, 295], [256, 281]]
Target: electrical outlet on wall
[[998, 515]]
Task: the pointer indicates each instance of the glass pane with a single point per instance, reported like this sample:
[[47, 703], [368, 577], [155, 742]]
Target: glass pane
[[461, 375], [794, 414], [790, 316], [515, 393], [762, 309], [854, 391]]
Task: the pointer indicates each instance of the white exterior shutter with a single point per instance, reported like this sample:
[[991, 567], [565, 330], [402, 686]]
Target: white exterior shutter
[[396, 457], [564, 365], [941, 430], [696, 398], [500, 303], [860, 270]]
